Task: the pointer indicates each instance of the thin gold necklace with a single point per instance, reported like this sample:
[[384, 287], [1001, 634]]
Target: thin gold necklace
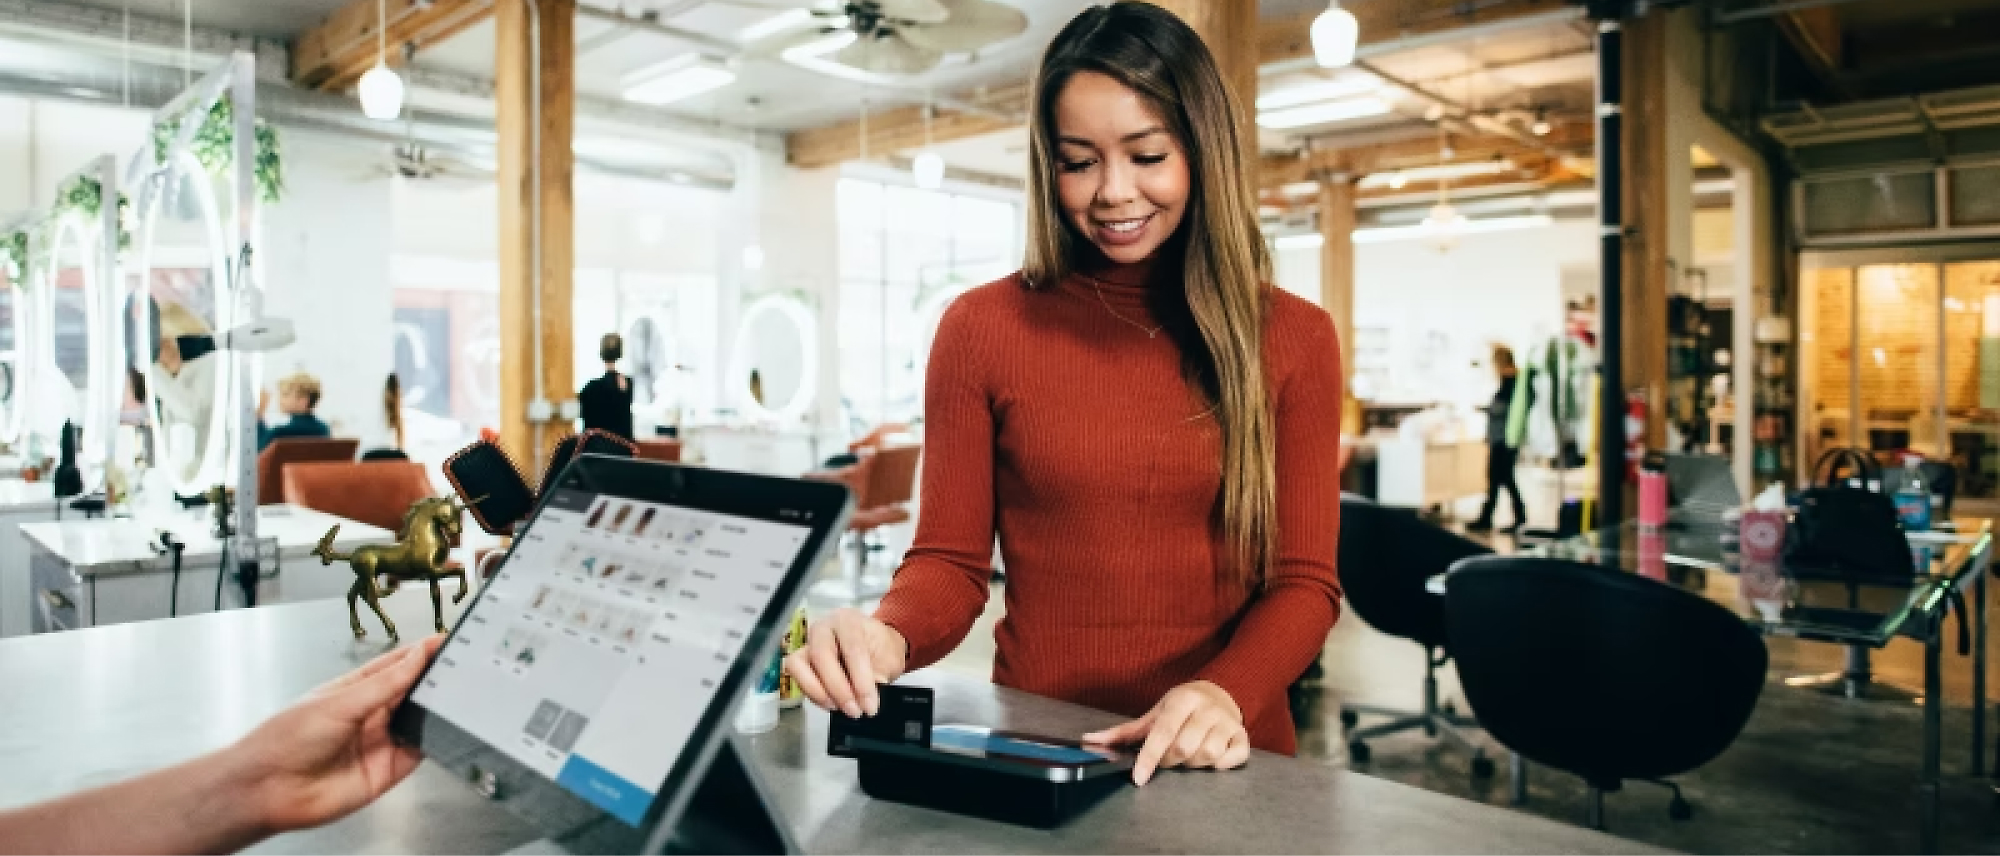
[[1150, 331]]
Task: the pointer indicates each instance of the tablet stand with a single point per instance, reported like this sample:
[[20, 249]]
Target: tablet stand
[[730, 811]]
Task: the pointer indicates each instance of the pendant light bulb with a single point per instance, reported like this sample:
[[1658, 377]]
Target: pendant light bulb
[[1335, 35], [381, 91]]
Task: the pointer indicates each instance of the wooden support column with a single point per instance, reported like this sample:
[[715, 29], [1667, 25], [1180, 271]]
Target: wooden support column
[[1336, 258], [1646, 214], [1229, 28], [517, 96], [1336, 277]]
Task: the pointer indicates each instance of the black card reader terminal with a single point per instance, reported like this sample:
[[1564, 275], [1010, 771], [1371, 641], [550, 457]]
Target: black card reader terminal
[[1026, 779]]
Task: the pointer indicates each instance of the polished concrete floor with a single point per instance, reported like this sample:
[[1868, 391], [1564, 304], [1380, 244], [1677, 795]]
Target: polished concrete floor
[[1810, 774]]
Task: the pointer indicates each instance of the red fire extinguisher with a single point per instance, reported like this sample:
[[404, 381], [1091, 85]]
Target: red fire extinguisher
[[1635, 434]]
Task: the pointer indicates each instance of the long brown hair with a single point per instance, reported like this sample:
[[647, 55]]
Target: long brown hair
[[1217, 318]]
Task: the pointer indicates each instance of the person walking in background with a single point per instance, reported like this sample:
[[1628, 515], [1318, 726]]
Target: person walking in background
[[607, 401], [297, 396], [1502, 450], [386, 440]]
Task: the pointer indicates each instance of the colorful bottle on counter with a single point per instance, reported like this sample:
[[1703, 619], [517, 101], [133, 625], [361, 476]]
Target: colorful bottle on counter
[[789, 694]]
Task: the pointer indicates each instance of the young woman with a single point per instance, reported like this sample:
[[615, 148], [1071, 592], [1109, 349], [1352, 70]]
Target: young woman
[[1501, 449], [1149, 426]]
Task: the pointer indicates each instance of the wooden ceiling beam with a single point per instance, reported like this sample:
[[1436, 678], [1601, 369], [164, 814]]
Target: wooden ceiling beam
[[333, 55], [997, 108], [1278, 170], [1815, 32]]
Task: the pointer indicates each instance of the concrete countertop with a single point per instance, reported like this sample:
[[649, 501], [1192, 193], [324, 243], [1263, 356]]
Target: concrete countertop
[[94, 706], [126, 544]]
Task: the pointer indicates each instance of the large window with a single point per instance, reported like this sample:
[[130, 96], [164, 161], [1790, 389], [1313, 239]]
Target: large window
[[1905, 357], [904, 254]]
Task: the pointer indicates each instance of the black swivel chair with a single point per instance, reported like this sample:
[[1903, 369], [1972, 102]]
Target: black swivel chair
[[1387, 555], [1603, 674]]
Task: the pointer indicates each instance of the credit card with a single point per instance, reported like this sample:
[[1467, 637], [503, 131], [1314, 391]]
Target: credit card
[[904, 717]]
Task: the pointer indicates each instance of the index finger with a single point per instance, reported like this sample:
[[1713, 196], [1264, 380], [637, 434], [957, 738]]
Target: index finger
[[1166, 727]]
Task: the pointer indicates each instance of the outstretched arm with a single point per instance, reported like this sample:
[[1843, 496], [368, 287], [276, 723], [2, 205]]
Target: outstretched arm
[[314, 763]]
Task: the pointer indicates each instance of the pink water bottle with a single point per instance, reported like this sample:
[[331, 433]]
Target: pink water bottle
[[1652, 492]]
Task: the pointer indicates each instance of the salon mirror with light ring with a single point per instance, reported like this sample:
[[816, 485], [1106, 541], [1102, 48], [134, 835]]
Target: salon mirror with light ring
[[15, 354], [179, 216], [777, 337], [81, 340]]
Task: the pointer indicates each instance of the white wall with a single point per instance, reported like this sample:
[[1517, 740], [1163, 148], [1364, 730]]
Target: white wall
[[326, 249], [1443, 310]]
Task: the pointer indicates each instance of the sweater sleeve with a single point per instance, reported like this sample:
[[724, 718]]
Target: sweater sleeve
[[1285, 626], [942, 585]]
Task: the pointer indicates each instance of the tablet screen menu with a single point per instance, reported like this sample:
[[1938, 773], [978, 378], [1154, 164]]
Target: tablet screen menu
[[596, 648]]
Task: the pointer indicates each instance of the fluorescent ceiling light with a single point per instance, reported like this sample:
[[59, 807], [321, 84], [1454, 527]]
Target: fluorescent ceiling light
[[1321, 90], [1385, 234], [819, 47], [1335, 34], [679, 78], [1447, 172], [774, 25], [1320, 114]]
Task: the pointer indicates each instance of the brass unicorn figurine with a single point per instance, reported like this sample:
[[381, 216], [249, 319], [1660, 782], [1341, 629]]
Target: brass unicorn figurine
[[419, 554]]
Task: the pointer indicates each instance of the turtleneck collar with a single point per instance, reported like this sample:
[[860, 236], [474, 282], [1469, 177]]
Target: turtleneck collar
[[1123, 285]]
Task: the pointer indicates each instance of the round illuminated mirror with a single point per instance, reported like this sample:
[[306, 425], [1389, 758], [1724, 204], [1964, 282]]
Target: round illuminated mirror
[[183, 278], [776, 359], [82, 343], [15, 304]]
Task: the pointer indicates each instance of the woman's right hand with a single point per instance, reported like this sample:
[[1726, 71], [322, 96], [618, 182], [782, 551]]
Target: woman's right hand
[[846, 655]]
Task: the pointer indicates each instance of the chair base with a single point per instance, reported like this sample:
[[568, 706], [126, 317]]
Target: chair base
[[1857, 681], [1436, 720], [1678, 809], [855, 587]]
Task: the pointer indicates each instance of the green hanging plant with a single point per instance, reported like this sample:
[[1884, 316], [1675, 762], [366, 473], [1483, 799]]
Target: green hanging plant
[[85, 195], [14, 257], [214, 146]]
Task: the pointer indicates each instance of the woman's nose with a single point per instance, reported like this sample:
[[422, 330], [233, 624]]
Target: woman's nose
[[1117, 187]]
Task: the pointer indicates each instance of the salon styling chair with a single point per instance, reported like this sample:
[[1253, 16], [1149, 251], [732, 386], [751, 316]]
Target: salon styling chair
[[1387, 555], [1606, 675]]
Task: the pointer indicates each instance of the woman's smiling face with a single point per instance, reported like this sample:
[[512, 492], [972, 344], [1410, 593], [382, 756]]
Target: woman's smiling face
[[1121, 176]]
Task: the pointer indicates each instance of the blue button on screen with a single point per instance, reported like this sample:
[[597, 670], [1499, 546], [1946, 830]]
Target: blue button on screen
[[619, 798]]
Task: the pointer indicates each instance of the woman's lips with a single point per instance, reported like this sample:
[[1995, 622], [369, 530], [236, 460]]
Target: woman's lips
[[1120, 233]]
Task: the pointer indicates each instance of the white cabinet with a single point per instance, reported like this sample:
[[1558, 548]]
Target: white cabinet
[[1417, 474]]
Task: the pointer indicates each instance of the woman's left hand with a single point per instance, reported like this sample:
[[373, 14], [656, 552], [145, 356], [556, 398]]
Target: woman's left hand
[[1195, 725]]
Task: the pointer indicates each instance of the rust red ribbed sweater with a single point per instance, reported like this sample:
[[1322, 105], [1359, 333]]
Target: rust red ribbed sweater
[[1054, 420]]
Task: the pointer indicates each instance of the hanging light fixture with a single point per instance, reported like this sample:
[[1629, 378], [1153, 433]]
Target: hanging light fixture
[[1444, 222], [381, 89], [1541, 126], [928, 167], [1335, 34]]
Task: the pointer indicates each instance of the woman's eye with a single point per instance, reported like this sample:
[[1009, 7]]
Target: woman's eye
[[1149, 160], [1077, 165]]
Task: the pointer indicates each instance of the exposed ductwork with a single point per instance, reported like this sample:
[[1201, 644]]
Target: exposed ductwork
[[143, 60]]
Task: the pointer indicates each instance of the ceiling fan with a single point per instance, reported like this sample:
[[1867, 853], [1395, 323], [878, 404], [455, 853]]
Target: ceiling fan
[[412, 160], [894, 36]]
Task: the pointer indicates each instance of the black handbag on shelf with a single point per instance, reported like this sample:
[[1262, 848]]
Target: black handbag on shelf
[[1847, 531]]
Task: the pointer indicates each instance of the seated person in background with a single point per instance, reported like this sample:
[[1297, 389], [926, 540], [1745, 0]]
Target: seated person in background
[[297, 396], [314, 763]]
